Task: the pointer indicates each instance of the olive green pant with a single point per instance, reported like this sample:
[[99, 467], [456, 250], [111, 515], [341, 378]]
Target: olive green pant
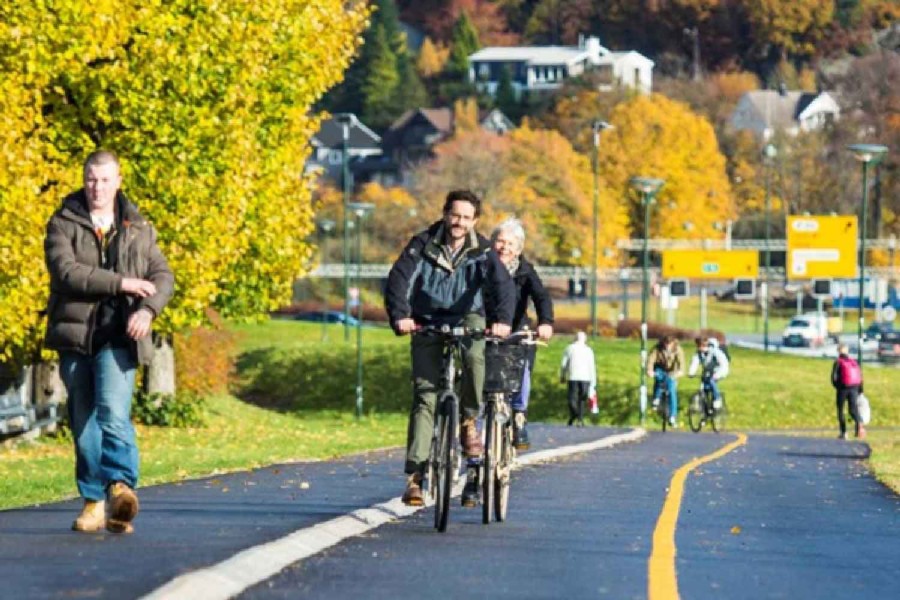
[[427, 362]]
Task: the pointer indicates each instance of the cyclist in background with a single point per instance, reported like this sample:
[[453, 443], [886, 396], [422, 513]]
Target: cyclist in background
[[508, 239], [666, 364], [447, 275], [713, 365]]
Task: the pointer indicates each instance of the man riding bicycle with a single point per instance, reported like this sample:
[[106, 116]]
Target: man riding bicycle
[[712, 363], [447, 275], [666, 364]]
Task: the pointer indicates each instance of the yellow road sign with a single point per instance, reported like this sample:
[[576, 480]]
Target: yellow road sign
[[710, 264], [821, 246]]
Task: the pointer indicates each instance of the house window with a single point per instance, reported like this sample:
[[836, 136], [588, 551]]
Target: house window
[[637, 78], [605, 74], [334, 157], [484, 71]]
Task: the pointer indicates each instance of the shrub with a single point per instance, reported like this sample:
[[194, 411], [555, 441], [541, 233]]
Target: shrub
[[204, 358], [184, 409], [630, 328]]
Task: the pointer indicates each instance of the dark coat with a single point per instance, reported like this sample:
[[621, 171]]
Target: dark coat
[[424, 285], [78, 284], [530, 287]]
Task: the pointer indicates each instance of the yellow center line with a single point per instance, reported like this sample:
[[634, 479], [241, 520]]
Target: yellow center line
[[662, 581]]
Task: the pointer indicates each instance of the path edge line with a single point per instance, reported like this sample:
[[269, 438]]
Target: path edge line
[[258, 563]]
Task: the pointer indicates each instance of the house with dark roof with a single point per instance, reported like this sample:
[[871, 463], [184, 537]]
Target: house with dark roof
[[545, 68], [328, 144], [766, 111]]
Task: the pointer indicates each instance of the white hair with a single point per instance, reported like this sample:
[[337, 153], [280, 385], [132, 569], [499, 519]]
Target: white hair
[[513, 226], [581, 337]]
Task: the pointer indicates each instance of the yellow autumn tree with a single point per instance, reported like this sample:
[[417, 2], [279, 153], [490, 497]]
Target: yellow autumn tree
[[792, 27], [432, 58], [208, 104], [465, 115], [658, 137]]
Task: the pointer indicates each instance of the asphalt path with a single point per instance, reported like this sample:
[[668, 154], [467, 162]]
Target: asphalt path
[[779, 517], [192, 524]]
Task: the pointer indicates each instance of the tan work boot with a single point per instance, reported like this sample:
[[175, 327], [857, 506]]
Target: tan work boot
[[92, 517], [413, 494], [123, 508], [470, 439]]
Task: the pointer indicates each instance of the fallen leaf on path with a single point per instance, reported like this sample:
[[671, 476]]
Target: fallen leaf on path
[[735, 530]]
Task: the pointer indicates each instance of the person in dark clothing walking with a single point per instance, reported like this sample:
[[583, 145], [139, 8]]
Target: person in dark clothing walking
[[846, 377], [447, 275], [108, 282], [508, 239]]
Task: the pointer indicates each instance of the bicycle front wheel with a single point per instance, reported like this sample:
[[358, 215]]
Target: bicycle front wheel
[[488, 469], [719, 417], [446, 463], [504, 472], [696, 412]]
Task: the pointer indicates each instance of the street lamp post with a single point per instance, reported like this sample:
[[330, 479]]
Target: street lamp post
[[325, 226], [648, 187], [360, 210], [346, 120], [769, 154], [867, 154], [596, 127]]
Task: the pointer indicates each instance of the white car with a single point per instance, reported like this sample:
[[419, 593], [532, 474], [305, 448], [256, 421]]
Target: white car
[[808, 330]]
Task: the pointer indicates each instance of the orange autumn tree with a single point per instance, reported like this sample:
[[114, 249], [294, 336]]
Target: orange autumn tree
[[658, 137]]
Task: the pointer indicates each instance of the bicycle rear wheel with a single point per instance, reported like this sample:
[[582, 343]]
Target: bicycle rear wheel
[[446, 463], [664, 411], [719, 417], [696, 412], [488, 467], [504, 473]]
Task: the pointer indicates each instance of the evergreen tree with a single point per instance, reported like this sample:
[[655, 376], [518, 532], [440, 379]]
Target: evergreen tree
[[505, 96], [410, 91], [463, 42], [380, 84]]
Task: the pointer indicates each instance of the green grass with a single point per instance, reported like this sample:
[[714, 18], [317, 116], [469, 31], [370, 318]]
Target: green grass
[[295, 394]]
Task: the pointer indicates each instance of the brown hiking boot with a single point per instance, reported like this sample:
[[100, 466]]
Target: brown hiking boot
[[92, 517], [413, 494], [470, 439], [123, 508]]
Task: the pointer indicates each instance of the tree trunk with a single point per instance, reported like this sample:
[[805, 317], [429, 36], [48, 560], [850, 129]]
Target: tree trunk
[[161, 370]]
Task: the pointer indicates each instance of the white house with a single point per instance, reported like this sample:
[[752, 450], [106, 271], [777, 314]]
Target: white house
[[541, 68], [765, 111]]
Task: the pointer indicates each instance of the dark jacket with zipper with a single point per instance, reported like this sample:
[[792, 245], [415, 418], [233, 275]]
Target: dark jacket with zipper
[[427, 285], [530, 287], [86, 285]]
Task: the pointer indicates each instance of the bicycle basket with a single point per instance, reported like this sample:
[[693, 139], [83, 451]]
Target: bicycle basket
[[504, 366]]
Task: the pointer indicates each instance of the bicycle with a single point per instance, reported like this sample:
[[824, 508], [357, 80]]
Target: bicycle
[[703, 407], [505, 364], [663, 409], [445, 457]]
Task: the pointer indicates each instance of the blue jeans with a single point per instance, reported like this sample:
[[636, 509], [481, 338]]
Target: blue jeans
[[99, 404], [710, 384], [662, 379], [519, 400]]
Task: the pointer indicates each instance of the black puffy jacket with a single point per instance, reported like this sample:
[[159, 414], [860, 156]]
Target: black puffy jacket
[[530, 287]]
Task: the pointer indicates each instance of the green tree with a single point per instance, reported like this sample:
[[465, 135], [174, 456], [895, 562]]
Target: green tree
[[505, 96], [410, 91], [379, 88], [209, 108], [463, 43]]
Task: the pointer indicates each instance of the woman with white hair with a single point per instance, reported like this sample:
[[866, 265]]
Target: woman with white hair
[[508, 240]]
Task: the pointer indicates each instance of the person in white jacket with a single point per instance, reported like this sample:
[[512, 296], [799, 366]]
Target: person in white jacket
[[580, 371], [712, 363]]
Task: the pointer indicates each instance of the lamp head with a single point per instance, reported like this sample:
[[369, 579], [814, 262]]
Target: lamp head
[[868, 153], [646, 185]]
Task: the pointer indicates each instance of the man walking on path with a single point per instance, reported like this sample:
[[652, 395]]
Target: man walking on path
[[580, 371], [108, 282], [447, 275], [846, 377]]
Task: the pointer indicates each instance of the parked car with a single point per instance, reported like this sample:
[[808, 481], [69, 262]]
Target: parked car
[[328, 316], [810, 329], [889, 347], [876, 330]]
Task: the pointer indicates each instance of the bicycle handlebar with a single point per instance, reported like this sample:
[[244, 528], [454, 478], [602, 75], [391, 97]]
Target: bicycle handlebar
[[526, 337]]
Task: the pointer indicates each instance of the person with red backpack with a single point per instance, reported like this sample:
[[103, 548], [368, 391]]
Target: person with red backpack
[[846, 377]]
